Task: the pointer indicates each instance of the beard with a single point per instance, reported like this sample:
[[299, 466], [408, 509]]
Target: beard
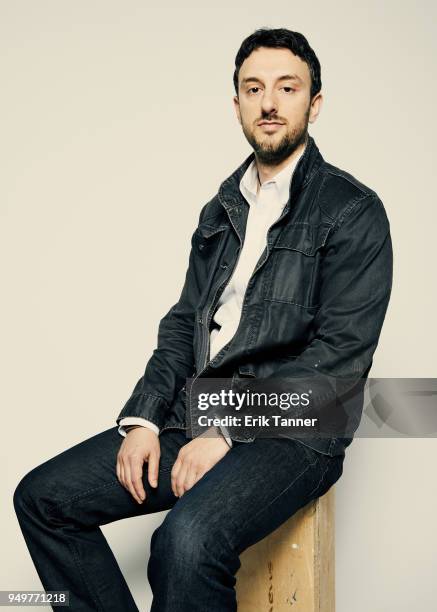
[[271, 153]]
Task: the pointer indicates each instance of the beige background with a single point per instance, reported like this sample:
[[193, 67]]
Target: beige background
[[117, 126]]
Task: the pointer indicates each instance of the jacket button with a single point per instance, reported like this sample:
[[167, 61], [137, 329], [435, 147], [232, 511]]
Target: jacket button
[[201, 246], [200, 320], [224, 266]]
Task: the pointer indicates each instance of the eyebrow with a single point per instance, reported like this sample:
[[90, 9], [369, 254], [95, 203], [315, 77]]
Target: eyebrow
[[285, 77]]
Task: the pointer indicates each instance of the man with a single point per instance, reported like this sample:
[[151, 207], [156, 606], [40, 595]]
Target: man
[[289, 276]]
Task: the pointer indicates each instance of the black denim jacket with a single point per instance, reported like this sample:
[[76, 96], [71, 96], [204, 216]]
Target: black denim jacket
[[314, 305]]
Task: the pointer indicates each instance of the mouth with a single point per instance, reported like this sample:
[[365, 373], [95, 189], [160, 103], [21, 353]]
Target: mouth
[[270, 125]]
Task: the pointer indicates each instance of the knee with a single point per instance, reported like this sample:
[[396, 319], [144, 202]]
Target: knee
[[189, 545], [22, 494], [30, 492], [176, 541]]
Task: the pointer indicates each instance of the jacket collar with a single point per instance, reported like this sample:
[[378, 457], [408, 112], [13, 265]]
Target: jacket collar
[[229, 193]]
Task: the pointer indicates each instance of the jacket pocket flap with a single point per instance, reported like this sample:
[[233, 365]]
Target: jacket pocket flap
[[206, 230], [203, 238]]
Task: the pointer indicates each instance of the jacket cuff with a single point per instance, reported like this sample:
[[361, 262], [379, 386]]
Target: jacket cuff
[[240, 434], [150, 407]]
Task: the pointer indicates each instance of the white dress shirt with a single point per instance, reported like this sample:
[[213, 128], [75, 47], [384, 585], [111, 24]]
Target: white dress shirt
[[266, 203]]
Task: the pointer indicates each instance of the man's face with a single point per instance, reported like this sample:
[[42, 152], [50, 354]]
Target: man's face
[[274, 105]]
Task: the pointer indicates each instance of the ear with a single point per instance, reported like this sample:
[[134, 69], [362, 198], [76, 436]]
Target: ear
[[237, 108], [316, 107]]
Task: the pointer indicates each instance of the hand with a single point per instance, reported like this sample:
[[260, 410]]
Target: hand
[[195, 459], [140, 444]]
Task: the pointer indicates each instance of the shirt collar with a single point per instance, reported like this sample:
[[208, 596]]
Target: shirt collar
[[282, 180]]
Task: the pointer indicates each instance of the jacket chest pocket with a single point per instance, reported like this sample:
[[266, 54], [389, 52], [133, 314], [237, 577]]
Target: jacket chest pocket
[[293, 271], [208, 244], [207, 239]]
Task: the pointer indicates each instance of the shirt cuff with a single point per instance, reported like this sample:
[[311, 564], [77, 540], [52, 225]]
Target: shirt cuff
[[136, 421]]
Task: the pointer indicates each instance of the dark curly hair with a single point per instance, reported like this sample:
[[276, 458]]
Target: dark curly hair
[[284, 39]]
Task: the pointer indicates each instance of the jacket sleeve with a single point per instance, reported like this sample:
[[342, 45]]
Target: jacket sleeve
[[172, 360], [356, 282]]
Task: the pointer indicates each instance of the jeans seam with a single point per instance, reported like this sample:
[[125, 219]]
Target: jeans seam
[[54, 507], [321, 480], [76, 557]]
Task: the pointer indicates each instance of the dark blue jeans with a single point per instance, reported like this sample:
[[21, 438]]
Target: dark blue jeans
[[194, 553]]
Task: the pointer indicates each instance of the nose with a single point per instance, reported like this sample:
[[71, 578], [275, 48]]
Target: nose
[[269, 103]]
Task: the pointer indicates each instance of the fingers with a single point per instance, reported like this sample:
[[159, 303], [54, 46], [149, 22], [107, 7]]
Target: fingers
[[120, 471], [179, 483], [129, 473], [183, 477], [136, 449], [174, 475], [152, 471], [190, 480], [133, 470]]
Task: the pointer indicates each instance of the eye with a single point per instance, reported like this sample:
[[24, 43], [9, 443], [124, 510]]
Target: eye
[[252, 88], [288, 89]]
